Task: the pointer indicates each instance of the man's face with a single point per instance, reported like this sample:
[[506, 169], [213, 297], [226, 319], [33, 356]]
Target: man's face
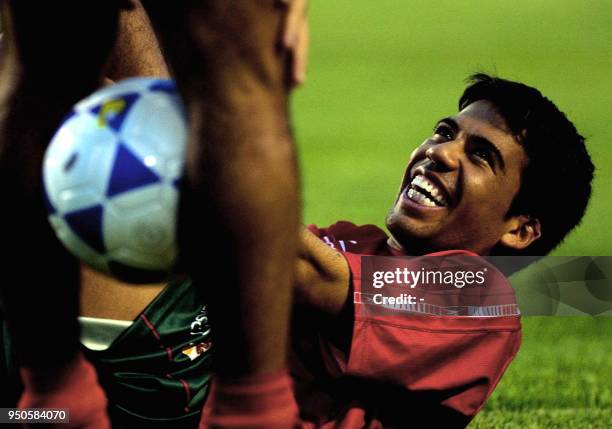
[[458, 185]]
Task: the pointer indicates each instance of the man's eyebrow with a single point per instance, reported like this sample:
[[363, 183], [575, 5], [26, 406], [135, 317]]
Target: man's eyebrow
[[452, 123]]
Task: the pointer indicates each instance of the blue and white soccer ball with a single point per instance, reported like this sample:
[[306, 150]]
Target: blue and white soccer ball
[[111, 177]]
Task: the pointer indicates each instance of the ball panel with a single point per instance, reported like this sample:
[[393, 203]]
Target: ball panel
[[77, 164], [163, 85], [166, 138], [113, 112], [129, 173], [87, 225], [139, 226]]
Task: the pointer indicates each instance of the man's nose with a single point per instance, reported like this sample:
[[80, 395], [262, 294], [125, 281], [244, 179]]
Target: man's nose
[[445, 156]]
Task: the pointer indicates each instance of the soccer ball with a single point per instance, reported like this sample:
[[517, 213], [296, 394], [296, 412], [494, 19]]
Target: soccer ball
[[111, 176]]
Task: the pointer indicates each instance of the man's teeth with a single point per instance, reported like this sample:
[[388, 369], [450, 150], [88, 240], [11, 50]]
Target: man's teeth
[[425, 192], [415, 195]]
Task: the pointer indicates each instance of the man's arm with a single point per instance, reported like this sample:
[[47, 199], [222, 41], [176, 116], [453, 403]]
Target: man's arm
[[137, 51], [322, 276]]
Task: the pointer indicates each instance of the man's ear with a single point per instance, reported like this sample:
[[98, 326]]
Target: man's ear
[[521, 232]]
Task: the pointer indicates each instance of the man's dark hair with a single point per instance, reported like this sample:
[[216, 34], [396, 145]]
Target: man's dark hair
[[556, 183]]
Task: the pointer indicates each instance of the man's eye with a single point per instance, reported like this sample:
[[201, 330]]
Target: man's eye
[[444, 131], [483, 154]]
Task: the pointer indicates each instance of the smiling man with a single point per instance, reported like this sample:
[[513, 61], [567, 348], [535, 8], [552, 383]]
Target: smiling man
[[507, 175]]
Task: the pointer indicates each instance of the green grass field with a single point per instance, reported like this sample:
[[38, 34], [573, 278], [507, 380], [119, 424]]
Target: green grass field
[[382, 72], [561, 378]]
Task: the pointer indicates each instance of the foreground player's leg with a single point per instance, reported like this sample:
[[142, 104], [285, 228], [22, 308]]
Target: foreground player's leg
[[240, 200], [44, 72]]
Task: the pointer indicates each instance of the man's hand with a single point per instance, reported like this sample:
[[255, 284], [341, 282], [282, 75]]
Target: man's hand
[[295, 38]]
